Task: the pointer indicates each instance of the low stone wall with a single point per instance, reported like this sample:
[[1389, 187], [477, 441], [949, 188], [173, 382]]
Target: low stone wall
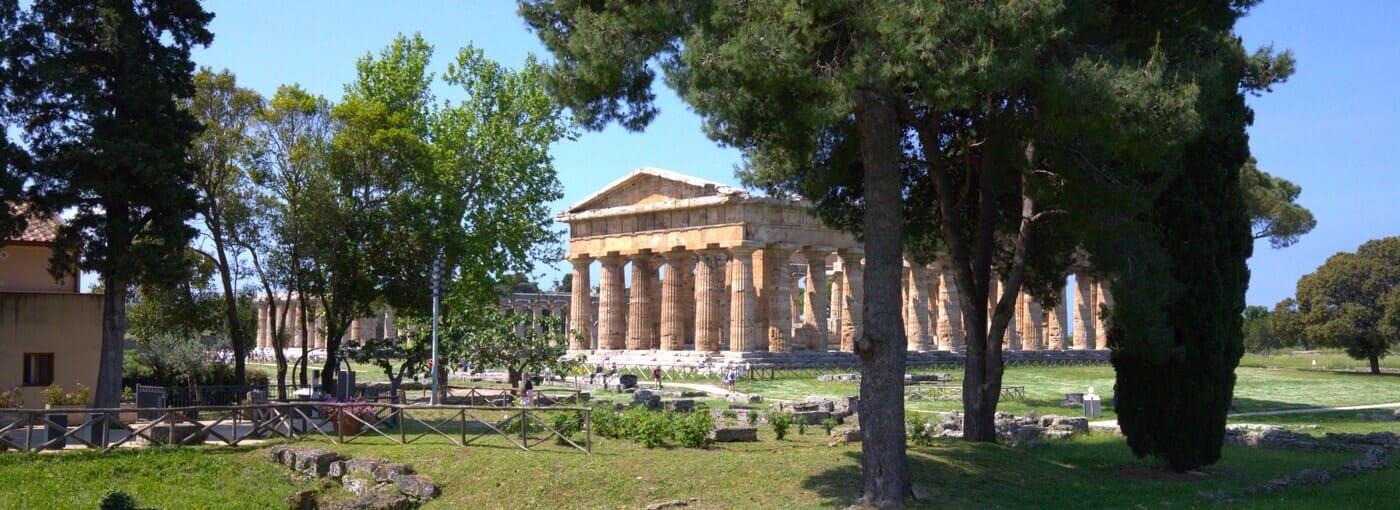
[[377, 484]]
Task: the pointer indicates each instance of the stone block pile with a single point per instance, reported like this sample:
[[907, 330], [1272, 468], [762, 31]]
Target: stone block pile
[[815, 409], [377, 484], [1016, 430]]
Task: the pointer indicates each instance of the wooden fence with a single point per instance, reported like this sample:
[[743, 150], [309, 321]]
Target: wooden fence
[[339, 423]]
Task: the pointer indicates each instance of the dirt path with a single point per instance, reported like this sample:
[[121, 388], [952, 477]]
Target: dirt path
[[1310, 410]]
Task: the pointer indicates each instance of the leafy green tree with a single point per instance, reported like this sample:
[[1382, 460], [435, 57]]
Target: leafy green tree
[[1353, 301], [1271, 203], [1258, 330], [188, 309], [222, 153], [412, 180], [488, 338], [405, 355], [1286, 324], [93, 87], [294, 133]]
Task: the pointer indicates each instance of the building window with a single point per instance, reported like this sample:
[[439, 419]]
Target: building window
[[38, 369]]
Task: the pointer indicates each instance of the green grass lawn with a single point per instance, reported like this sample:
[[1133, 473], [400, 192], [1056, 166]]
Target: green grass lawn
[[800, 472]]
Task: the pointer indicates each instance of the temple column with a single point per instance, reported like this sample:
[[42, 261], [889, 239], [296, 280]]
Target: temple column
[[672, 302], [709, 284], [579, 302], [933, 277], [779, 299], [814, 313], [838, 308], [318, 332], [795, 311], [918, 308], [536, 317], [950, 331], [1056, 324], [1013, 324], [639, 304], [612, 304], [743, 332], [653, 311], [1102, 299], [726, 300], [851, 323], [687, 273], [1083, 312], [1032, 325], [390, 330]]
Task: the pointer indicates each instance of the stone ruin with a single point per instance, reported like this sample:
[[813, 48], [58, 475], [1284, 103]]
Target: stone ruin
[[1012, 429], [815, 409], [376, 483]]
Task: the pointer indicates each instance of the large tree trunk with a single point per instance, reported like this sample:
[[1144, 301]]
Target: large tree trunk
[[881, 347], [235, 327], [109, 370], [1375, 364]]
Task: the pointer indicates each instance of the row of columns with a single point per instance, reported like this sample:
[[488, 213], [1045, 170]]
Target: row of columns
[[746, 299], [536, 309], [740, 298], [381, 326], [933, 320]]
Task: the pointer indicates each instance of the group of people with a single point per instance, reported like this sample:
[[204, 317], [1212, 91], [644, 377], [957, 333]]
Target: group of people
[[731, 375]]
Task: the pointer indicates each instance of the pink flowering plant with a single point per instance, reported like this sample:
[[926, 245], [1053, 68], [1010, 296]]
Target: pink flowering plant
[[357, 408]]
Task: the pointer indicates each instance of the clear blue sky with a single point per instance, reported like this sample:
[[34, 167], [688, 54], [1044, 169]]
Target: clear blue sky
[[1331, 128]]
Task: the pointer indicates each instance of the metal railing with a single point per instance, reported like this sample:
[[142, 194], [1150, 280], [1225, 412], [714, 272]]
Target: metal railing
[[340, 423]]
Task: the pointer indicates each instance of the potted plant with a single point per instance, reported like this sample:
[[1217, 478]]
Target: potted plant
[[346, 422], [56, 399]]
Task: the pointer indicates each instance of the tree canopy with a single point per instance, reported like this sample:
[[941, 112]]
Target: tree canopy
[[1271, 203], [93, 88], [1353, 301], [1003, 136]]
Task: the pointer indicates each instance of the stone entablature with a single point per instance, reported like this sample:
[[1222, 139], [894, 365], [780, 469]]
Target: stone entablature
[[713, 268]]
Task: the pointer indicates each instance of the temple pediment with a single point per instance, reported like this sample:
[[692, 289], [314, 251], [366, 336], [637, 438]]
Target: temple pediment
[[650, 188]]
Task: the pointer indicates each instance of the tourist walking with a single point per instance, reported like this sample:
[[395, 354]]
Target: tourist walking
[[656, 376], [729, 377]]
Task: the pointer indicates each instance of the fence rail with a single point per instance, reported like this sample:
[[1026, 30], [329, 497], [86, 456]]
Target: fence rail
[[104, 429]]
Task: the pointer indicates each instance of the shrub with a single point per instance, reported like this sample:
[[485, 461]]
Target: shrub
[[693, 429], [918, 429], [13, 397], [830, 424], [751, 417], [730, 417], [780, 423], [801, 427], [651, 429], [566, 424], [54, 396], [256, 377], [117, 500], [609, 423]]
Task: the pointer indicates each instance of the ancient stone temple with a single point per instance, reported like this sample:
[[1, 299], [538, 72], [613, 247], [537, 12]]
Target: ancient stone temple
[[692, 265]]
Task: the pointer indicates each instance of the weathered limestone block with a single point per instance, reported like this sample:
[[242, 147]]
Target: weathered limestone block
[[336, 470], [680, 405], [811, 417], [358, 486], [734, 434], [376, 500], [363, 466], [418, 487], [847, 434], [316, 461], [744, 398], [388, 471]]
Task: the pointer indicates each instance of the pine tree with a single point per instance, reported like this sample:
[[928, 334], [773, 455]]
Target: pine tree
[[94, 87]]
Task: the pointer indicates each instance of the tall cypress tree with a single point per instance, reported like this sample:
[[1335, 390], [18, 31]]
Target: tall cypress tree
[[93, 89], [1175, 330]]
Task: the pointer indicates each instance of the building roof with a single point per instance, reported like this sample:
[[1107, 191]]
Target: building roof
[[41, 228]]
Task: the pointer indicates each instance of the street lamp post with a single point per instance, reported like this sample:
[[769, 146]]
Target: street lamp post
[[437, 293]]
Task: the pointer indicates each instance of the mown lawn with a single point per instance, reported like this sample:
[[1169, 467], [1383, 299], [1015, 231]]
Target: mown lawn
[[800, 472]]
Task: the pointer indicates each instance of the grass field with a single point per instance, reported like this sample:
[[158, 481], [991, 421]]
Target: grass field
[[802, 471]]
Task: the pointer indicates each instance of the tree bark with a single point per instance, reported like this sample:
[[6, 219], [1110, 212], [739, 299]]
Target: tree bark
[[881, 347], [235, 327], [1375, 364], [109, 372]]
